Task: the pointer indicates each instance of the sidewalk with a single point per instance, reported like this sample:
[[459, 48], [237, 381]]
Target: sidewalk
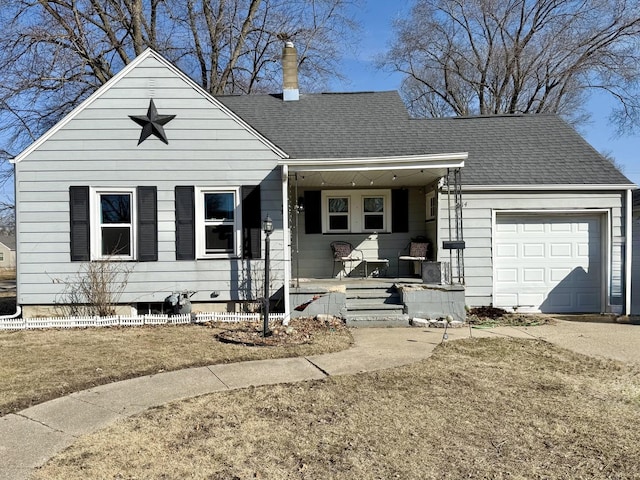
[[30, 437]]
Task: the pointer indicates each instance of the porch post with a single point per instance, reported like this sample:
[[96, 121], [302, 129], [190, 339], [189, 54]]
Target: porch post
[[286, 242], [628, 244]]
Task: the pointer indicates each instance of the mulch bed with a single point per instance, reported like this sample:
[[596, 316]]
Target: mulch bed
[[488, 317], [298, 332]]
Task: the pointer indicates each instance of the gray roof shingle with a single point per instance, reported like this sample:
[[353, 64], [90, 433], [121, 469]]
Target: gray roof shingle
[[503, 149]]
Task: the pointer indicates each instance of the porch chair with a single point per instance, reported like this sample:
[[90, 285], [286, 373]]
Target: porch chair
[[343, 253], [417, 250]]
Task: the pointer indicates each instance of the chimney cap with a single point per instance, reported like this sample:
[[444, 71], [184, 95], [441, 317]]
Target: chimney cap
[[288, 44]]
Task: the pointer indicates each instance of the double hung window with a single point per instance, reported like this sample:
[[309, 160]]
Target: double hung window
[[218, 223], [114, 221], [338, 214]]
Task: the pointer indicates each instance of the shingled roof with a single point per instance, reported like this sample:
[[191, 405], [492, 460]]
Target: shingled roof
[[503, 149]]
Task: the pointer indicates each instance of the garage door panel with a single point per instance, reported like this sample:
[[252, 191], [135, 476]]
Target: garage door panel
[[548, 263], [533, 275], [532, 227], [507, 250], [508, 275], [533, 250], [560, 250], [530, 300], [506, 299]]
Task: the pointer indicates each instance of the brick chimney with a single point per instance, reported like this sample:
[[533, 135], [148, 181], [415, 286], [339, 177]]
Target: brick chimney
[[290, 90]]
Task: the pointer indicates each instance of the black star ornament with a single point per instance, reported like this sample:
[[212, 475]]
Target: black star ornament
[[152, 123]]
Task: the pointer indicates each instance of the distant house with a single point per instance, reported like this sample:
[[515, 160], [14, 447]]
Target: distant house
[[7, 251], [154, 171]]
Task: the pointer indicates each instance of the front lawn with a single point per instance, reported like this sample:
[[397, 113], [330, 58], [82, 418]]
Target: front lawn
[[479, 408], [39, 365]]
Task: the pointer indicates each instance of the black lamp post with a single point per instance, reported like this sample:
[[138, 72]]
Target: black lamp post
[[267, 227]]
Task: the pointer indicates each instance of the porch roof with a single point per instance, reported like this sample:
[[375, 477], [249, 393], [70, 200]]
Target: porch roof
[[410, 170]]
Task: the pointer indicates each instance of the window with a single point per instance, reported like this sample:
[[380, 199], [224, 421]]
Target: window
[[113, 224], [116, 227], [218, 223], [373, 213], [431, 205], [359, 211], [338, 208]]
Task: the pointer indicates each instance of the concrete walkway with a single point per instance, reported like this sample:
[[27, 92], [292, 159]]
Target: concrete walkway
[[30, 437]]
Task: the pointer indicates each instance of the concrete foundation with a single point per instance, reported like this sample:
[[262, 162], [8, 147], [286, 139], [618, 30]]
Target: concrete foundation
[[434, 301], [318, 300]]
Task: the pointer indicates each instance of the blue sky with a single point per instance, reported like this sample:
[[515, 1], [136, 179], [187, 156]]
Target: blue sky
[[376, 17]]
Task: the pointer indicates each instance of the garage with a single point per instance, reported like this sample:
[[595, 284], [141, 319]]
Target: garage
[[548, 263]]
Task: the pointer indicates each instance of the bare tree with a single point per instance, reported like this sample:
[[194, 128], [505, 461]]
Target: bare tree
[[55, 53], [518, 56]]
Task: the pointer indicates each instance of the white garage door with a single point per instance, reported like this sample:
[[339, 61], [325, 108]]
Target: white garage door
[[550, 264]]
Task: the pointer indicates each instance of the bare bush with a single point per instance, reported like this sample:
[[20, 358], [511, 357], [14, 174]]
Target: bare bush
[[95, 290]]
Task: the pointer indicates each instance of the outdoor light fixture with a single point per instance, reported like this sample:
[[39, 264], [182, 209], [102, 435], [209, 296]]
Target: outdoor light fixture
[[267, 228]]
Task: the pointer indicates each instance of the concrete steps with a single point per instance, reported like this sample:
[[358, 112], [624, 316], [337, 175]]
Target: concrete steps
[[376, 305]]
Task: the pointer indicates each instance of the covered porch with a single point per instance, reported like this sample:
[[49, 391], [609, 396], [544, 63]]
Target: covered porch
[[377, 206]]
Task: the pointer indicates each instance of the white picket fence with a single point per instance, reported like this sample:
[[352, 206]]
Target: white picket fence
[[131, 320]]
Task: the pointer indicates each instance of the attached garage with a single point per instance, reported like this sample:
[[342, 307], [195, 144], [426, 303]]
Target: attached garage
[[551, 263]]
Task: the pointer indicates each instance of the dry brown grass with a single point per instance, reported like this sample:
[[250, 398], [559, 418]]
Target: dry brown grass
[[38, 365], [477, 409]]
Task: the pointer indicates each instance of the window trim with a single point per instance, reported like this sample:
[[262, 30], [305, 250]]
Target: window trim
[[329, 214], [356, 215], [200, 223], [431, 205], [96, 224], [385, 216]]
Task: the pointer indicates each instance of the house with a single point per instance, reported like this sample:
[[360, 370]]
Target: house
[[152, 170], [635, 271], [7, 251]]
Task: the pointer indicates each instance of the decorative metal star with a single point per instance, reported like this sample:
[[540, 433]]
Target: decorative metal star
[[152, 123]]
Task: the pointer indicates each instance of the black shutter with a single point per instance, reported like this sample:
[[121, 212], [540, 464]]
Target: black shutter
[[185, 223], [79, 224], [251, 221], [147, 224], [312, 211], [400, 210]]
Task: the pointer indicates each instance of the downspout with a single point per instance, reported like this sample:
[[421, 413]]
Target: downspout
[[628, 253], [286, 243], [13, 315]]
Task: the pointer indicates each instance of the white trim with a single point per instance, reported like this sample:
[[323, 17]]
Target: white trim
[[403, 162], [123, 73], [286, 243], [95, 223], [605, 252], [628, 261], [547, 187]]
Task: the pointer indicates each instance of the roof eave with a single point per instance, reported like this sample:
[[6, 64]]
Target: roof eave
[[523, 186], [446, 160]]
